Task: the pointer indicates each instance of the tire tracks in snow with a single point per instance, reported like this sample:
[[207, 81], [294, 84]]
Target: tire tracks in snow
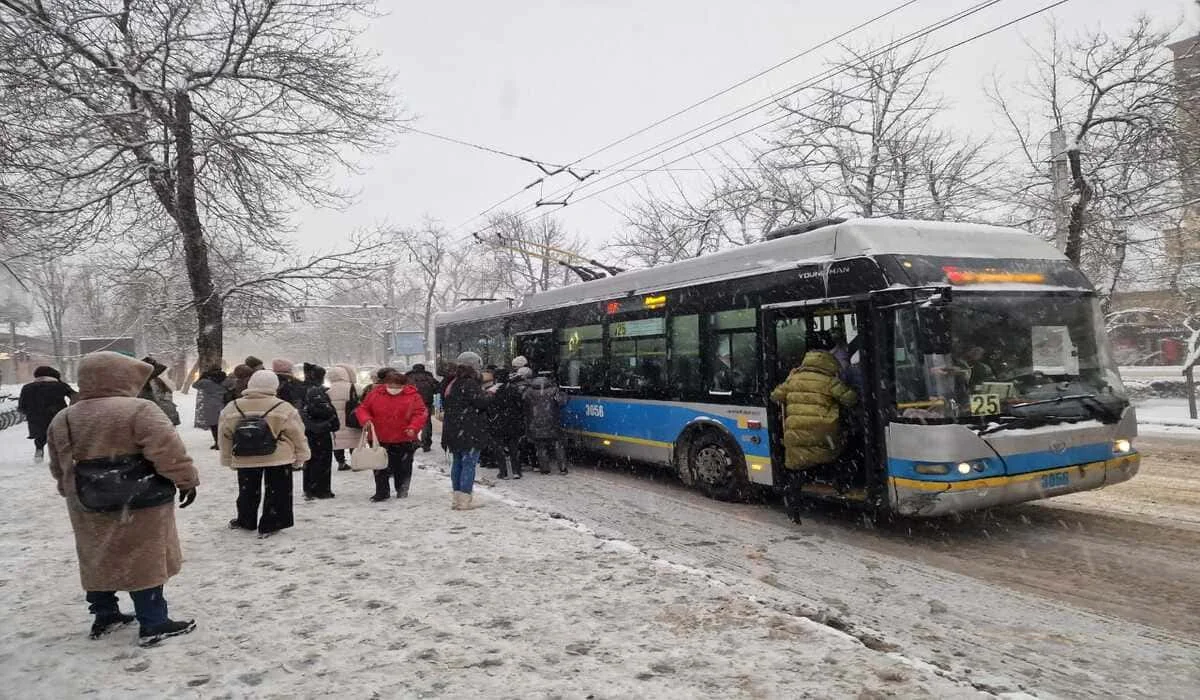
[[995, 639]]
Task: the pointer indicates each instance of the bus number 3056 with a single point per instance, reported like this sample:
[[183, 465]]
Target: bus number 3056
[[594, 410]]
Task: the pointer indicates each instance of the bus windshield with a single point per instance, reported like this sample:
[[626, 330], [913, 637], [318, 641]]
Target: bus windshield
[[1021, 356]]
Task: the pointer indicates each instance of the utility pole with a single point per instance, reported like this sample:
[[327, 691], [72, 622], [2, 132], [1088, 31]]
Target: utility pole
[[1060, 174], [391, 324]]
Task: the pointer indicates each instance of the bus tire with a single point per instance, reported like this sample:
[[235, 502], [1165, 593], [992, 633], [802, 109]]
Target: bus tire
[[718, 465]]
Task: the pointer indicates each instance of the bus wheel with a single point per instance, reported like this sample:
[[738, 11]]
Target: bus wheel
[[719, 467]]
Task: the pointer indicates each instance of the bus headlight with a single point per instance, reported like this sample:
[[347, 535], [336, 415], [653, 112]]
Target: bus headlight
[[964, 468], [1122, 447]]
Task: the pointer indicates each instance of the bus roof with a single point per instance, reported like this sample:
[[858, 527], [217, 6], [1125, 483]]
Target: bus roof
[[851, 239]]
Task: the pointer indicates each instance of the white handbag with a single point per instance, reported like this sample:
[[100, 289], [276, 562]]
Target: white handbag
[[368, 457]]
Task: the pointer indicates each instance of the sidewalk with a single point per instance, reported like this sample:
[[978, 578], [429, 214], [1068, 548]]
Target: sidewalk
[[410, 599]]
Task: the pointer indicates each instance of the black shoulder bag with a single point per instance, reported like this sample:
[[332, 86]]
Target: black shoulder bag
[[351, 406], [112, 484]]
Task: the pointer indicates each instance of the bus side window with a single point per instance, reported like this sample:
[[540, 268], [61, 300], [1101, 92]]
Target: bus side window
[[909, 376], [684, 368], [733, 352], [581, 358], [637, 356]]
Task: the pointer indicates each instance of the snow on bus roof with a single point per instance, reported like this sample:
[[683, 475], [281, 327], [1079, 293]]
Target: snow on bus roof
[[852, 239]]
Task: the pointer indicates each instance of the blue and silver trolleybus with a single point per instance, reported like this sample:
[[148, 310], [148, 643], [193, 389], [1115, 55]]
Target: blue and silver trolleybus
[[979, 353]]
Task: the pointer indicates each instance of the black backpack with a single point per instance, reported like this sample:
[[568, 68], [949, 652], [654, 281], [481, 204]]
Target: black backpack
[[252, 436], [352, 405]]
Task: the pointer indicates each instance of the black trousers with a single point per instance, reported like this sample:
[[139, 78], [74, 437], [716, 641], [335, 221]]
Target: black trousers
[[213, 430], [546, 448], [399, 468], [340, 455], [510, 449], [318, 470], [276, 504]]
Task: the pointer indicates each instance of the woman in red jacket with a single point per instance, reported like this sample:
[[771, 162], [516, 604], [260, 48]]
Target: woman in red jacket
[[395, 413]]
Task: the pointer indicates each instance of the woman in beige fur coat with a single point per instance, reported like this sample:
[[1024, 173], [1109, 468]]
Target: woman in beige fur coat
[[132, 550]]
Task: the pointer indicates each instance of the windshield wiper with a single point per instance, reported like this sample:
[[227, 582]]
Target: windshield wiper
[[1090, 402]]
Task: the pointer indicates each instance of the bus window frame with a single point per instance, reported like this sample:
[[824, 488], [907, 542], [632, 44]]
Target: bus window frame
[[664, 313]]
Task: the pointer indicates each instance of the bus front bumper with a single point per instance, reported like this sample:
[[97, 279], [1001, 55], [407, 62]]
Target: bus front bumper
[[934, 498]]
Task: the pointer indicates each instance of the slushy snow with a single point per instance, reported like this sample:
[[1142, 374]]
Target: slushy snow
[[410, 599]]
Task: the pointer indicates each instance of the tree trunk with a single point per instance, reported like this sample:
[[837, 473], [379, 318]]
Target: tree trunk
[[210, 308], [1083, 198]]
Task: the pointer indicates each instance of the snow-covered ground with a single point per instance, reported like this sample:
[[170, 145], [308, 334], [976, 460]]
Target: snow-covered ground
[[410, 599], [1166, 417]]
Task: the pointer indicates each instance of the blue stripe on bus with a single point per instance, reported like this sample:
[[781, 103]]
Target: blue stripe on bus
[[1022, 463], [653, 421]]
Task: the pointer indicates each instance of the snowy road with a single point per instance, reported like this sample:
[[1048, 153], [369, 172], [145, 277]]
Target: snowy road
[[1098, 595], [610, 585]]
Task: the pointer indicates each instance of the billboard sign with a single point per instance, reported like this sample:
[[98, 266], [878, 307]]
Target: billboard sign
[[408, 343]]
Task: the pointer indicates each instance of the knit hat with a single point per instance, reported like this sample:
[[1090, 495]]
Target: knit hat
[[519, 361], [253, 362], [45, 371], [470, 359], [282, 366], [263, 382], [524, 372]]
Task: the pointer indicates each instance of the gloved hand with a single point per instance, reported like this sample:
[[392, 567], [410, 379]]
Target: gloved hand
[[186, 497]]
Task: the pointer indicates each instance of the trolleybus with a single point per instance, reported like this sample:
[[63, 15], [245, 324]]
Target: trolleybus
[[979, 354]]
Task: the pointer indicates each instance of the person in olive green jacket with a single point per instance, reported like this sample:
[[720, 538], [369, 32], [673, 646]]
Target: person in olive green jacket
[[813, 398]]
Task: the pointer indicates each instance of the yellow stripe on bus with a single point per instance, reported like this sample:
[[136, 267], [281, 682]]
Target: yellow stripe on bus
[[997, 481], [622, 438]]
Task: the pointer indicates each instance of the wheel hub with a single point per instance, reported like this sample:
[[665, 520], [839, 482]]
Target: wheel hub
[[712, 464]]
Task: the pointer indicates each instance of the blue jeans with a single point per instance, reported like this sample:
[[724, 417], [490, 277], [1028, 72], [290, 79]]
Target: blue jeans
[[462, 472], [149, 605]]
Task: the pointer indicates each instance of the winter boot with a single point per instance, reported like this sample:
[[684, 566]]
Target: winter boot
[[458, 501], [149, 636], [468, 502], [107, 623], [380, 497], [38, 455]]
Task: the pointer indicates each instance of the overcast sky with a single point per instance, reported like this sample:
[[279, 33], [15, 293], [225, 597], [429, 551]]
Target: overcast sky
[[559, 81]]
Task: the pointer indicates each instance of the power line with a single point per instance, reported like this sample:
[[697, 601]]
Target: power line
[[549, 169], [713, 125], [706, 100]]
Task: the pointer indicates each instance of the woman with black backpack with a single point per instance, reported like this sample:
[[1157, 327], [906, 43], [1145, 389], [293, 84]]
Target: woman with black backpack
[[262, 438]]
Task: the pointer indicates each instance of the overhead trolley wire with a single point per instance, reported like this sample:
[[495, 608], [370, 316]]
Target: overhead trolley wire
[[939, 52], [862, 25], [632, 161]]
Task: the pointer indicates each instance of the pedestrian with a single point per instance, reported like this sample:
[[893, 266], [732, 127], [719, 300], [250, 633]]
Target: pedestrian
[[320, 423], [157, 389], [253, 363], [491, 455], [506, 416], [262, 439], [132, 548], [464, 426], [427, 386], [543, 421], [345, 398], [812, 398], [290, 388], [394, 415], [235, 386], [39, 402], [210, 399]]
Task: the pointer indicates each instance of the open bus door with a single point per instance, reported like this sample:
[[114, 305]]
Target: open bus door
[[788, 329]]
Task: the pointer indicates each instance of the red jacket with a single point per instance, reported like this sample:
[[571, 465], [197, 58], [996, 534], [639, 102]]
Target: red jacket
[[396, 419]]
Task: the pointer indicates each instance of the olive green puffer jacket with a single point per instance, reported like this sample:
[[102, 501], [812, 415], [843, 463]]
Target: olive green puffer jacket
[[813, 398]]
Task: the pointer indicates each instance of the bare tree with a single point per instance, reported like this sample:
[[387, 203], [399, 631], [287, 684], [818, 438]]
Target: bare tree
[[525, 256], [53, 295], [216, 114], [862, 139], [1114, 98]]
